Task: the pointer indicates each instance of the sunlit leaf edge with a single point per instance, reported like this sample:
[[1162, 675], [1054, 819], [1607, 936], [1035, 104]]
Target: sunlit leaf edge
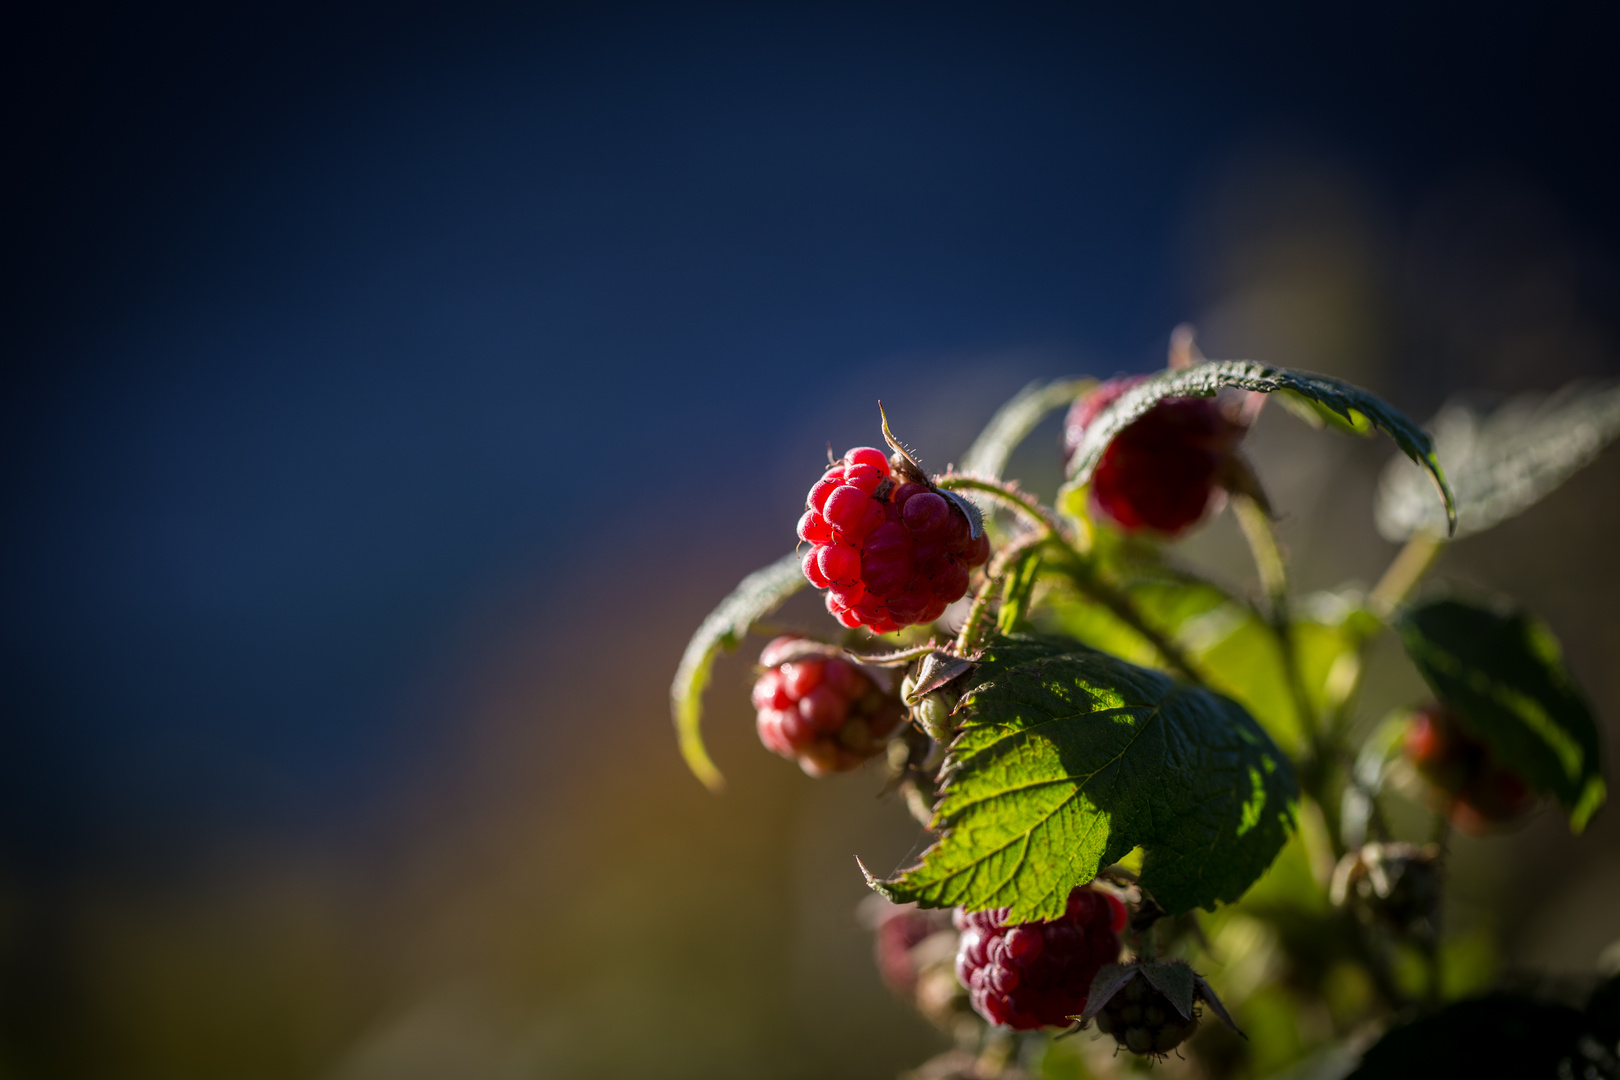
[[1204, 380], [756, 596]]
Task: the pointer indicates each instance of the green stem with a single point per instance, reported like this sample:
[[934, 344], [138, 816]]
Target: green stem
[[1408, 568], [1022, 502], [973, 627], [1273, 573], [1080, 572]]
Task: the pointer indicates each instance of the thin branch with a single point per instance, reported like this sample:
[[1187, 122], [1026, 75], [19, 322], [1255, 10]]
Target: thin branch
[[1407, 569], [1021, 502], [1120, 605], [1268, 563]]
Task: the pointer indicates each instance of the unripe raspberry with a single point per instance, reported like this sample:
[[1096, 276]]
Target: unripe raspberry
[[1031, 975], [821, 711], [1481, 792], [1393, 884], [1163, 472], [1143, 1021], [890, 553]]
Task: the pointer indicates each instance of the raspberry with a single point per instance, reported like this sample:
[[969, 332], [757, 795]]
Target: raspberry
[[889, 553], [820, 711], [1031, 975], [1163, 472], [1481, 791], [1142, 1020]]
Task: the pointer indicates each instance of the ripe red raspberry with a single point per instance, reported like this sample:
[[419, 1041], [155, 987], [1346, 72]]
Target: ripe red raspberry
[[1032, 975], [1480, 791], [890, 553], [1163, 472], [819, 711]]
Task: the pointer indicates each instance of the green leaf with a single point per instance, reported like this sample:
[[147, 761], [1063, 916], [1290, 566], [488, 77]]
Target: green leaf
[[1352, 404], [1501, 462], [1319, 416], [1068, 758], [756, 596], [1242, 659], [1167, 603], [1497, 1035], [1013, 422], [1503, 671]]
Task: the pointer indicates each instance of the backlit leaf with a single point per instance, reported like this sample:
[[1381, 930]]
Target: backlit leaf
[[756, 596], [1067, 758], [1354, 406], [1502, 461], [1013, 422]]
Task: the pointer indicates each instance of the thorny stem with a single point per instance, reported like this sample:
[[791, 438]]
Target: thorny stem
[[1021, 502], [973, 627], [1072, 548]]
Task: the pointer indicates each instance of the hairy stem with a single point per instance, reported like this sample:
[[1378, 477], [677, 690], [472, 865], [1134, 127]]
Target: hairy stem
[[1020, 502], [978, 616]]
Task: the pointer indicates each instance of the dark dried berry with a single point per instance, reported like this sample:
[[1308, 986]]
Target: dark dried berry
[[1143, 1020]]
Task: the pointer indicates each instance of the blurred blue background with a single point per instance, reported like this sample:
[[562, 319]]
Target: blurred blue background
[[391, 388]]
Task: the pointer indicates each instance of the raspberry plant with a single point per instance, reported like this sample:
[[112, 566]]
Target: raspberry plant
[[1103, 744]]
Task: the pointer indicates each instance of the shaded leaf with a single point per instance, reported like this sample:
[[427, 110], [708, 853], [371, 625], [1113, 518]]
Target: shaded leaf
[[1503, 672], [1067, 758], [1352, 404], [1503, 461], [756, 596], [1496, 1035], [1013, 422]]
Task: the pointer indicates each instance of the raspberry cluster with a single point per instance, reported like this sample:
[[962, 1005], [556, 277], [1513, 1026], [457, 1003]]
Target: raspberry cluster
[[1163, 472], [1031, 975], [1142, 1020], [821, 712], [890, 552], [1481, 791]]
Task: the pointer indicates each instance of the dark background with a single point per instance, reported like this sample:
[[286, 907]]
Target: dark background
[[390, 389]]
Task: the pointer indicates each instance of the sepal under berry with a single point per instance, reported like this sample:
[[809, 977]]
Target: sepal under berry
[[1150, 1007]]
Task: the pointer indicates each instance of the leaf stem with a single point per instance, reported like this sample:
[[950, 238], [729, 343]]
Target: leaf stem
[[1407, 569], [1080, 572], [1273, 573], [973, 627]]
